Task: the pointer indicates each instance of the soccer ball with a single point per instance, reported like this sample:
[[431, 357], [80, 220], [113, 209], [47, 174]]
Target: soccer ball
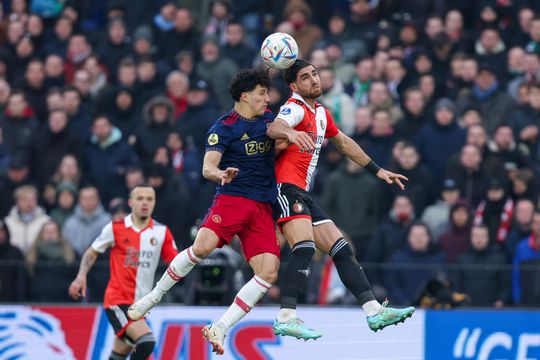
[[279, 50]]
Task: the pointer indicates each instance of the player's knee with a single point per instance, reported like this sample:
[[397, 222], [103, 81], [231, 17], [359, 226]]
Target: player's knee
[[144, 346], [202, 250], [305, 249], [268, 275]]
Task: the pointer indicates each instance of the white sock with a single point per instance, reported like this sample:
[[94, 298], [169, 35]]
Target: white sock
[[371, 308], [286, 314], [179, 267], [248, 296]]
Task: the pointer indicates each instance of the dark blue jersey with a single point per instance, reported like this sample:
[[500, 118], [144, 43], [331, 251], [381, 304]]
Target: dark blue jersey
[[245, 145]]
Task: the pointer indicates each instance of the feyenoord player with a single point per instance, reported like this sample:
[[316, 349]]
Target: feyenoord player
[[240, 158], [304, 123], [137, 242]]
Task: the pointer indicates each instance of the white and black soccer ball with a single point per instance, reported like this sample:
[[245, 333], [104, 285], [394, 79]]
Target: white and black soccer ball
[[279, 50]]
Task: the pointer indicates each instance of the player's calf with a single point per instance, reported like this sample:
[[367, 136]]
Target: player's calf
[[144, 347]]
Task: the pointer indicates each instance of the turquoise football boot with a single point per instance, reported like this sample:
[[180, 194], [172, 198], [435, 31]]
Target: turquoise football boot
[[388, 316], [295, 328]]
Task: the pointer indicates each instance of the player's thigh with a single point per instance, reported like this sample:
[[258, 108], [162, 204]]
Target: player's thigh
[[265, 266], [137, 329], [121, 347], [326, 235], [297, 230]]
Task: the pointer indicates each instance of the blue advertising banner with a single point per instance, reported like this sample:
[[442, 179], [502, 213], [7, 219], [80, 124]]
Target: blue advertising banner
[[482, 335]]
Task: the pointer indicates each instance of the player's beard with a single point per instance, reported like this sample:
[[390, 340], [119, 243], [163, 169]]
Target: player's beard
[[312, 93]]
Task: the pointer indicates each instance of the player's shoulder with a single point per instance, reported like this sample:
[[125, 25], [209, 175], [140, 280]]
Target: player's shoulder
[[291, 106], [229, 119]]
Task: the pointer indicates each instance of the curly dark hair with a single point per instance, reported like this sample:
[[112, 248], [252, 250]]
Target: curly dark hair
[[290, 73], [247, 80]]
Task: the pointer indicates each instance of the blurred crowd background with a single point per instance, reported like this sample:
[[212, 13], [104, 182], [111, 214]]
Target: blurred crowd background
[[97, 96]]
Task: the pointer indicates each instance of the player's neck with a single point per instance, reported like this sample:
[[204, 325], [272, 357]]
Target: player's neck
[[244, 111], [140, 223], [307, 100]]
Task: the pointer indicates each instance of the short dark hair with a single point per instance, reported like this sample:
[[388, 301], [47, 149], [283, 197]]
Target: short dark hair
[[290, 73], [247, 80], [141, 185]]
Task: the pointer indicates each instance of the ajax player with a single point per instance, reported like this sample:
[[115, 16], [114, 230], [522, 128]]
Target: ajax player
[[137, 242], [305, 123], [240, 158]]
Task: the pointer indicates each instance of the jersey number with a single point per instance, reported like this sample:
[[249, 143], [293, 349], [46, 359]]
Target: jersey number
[[254, 147]]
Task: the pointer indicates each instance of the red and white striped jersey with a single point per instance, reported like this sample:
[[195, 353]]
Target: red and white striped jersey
[[135, 255], [296, 166]]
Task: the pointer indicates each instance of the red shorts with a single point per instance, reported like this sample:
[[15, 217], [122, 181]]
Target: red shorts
[[249, 219]]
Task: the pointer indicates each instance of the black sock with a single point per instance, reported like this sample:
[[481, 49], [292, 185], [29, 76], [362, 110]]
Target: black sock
[[117, 356], [297, 272], [350, 272]]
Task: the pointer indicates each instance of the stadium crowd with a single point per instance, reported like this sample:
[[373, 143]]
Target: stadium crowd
[[98, 96]]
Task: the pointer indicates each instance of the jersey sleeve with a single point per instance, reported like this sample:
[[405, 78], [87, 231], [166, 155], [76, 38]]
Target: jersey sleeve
[[169, 250], [291, 113], [331, 128], [104, 240], [218, 138]]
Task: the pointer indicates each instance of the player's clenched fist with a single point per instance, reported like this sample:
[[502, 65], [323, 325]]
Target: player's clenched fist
[[77, 289]]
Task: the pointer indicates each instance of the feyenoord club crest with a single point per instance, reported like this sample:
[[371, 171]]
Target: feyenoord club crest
[[216, 219], [153, 241], [297, 207]]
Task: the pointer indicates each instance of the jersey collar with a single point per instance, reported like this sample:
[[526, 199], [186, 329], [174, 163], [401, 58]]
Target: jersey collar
[[128, 223], [298, 97]]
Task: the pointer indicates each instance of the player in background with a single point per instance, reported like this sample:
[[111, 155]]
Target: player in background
[[304, 124], [240, 158], [137, 242]]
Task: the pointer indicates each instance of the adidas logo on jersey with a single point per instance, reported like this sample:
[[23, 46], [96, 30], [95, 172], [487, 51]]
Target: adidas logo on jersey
[[244, 137]]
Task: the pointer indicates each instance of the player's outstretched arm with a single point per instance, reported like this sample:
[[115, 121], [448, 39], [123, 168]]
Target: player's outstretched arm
[[353, 151], [212, 172], [279, 129], [77, 289]]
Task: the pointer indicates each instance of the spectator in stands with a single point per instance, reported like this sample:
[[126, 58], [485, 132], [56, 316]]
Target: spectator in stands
[[455, 240], [184, 161], [482, 274], [66, 198], [78, 50], [412, 267], [524, 121], [220, 15], [521, 226], [216, 70], [123, 112], [177, 84], [199, 115], [530, 74], [13, 278], [183, 36], [54, 72], [87, 221], [26, 218], [149, 82], [415, 116], [106, 158], [420, 185], [437, 216], [68, 171], [298, 14], [34, 88], [58, 141], [49, 262], [115, 46], [80, 118], [389, 238], [439, 140], [358, 219], [236, 48], [363, 122], [17, 174], [18, 124], [57, 42], [358, 89], [158, 117], [379, 98], [525, 288], [381, 137], [164, 20], [337, 101], [486, 94]]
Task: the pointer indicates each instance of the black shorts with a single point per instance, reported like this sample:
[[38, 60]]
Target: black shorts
[[117, 315], [294, 203]]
